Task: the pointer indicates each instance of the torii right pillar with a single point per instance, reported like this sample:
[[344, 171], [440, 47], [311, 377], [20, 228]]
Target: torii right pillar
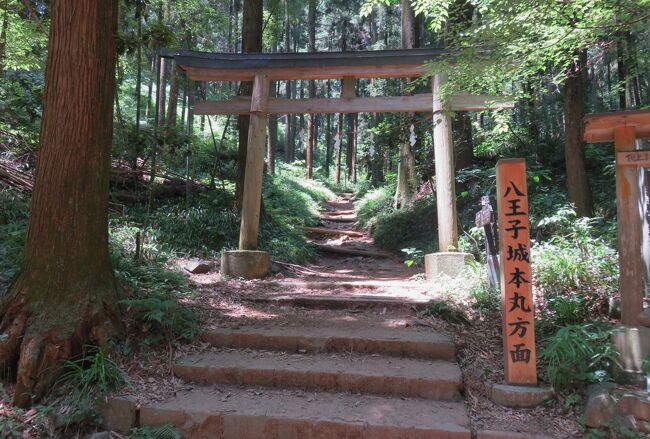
[[448, 261], [632, 338]]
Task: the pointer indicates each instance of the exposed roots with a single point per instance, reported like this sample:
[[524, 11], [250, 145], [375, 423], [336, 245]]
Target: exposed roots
[[33, 352]]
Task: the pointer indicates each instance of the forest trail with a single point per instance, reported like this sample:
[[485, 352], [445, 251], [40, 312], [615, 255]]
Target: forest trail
[[350, 266], [333, 349]]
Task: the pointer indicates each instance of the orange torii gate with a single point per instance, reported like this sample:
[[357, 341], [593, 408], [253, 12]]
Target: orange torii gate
[[625, 128], [261, 68]]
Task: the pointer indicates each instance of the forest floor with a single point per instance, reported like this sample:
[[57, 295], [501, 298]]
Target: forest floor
[[357, 293]]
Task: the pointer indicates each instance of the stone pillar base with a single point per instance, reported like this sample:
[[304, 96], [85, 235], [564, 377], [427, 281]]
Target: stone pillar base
[[633, 345], [248, 264], [451, 264], [520, 396]]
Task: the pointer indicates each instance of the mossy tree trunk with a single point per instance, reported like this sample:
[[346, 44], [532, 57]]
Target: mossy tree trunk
[[407, 181], [66, 294]]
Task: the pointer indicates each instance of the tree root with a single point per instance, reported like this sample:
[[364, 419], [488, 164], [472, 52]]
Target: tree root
[[33, 352]]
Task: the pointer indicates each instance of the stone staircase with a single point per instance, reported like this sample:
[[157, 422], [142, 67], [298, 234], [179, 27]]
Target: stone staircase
[[318, 382]]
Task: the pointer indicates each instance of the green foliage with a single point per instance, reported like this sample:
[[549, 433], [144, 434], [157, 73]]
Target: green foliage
[[290, 202], [411, 227], [414, 257], [26, 37], [156, 288], [581, 352], [447, 312], [373, 204], [576, 272], [162, 319], [484, 298], [94, 373], [165, 431], [13, 230]]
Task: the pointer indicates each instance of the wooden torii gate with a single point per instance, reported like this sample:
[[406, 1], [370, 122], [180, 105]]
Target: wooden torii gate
[[348, 66], [624, 129]]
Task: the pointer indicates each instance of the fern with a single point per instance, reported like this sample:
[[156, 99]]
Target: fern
[[165, 431]]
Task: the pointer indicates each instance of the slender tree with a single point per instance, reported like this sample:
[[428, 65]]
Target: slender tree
[[66, 294], [251, 43], [406, 177], [311, 125]]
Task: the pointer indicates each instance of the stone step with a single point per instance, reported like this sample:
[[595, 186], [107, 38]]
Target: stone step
[[359, 339], [374, 374], [250, 413], [343, 302]]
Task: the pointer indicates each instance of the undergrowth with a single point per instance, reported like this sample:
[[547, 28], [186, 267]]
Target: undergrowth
[[579, 353]]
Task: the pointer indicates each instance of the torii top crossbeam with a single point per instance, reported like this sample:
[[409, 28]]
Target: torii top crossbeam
[[202, 66]]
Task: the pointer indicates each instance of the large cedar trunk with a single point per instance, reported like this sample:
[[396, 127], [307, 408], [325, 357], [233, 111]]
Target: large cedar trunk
[[251, 43], [65, 294], [574, 146]]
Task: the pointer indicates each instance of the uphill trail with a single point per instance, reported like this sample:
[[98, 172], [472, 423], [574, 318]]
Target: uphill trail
[[334, 349]]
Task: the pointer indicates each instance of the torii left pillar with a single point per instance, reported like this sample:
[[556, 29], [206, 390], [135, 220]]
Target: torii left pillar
[[248, 262]]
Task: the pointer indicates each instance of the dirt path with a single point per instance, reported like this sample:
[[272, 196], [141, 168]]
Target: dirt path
[[334, 348]]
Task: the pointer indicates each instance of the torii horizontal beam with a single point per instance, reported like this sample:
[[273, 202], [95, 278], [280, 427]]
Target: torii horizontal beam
[[600, 127], [393, 104]]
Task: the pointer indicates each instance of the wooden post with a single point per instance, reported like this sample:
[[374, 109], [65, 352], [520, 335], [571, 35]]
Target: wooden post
[[445, 178], [516, 276], [250, 214], [348, 87], [628, 206]]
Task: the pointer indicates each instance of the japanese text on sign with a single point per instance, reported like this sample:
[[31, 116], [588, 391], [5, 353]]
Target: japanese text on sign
[[516, 276]]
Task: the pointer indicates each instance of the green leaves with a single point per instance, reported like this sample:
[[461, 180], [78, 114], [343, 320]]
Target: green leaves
[[581, 352]]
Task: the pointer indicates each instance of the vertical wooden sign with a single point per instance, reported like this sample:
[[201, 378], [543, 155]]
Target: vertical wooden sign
[[516, 275]]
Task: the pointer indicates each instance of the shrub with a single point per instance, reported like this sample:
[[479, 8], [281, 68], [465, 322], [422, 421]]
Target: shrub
[[163, 319], [485, 299], [414, 227], [373, 204], [576, 272], [582, 352]]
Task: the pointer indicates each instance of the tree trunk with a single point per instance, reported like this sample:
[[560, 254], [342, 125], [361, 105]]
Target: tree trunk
[[574, 146], [459, 21], [272, 141], [66, 294], [152, 80], [288, 135], [463, 144], [162, 93], [172, 107], [339, 140], [251, 43], [3, 34], [406, 177], [311, 129]]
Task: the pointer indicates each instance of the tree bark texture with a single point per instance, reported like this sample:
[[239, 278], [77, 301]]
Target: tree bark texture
[[574, 146], [66, 294], [406, 177]]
